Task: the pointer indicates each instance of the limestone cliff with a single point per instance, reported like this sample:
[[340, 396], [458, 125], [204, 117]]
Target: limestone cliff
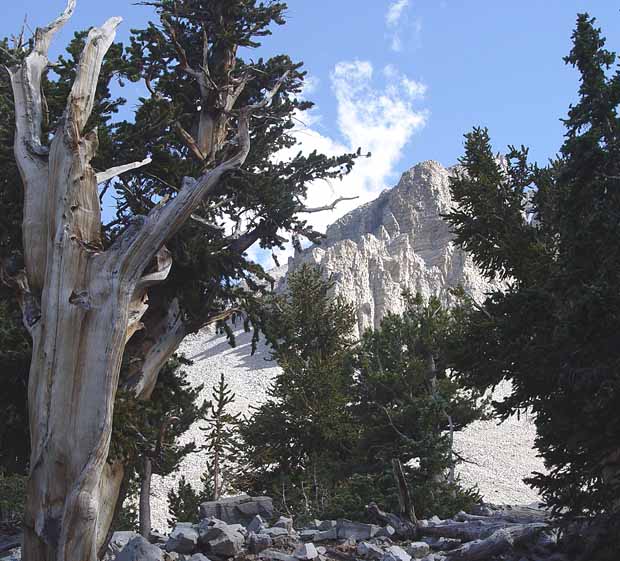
[[398, 241]]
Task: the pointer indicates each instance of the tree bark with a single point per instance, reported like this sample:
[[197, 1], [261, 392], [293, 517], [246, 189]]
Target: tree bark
[[103, 540], [404, 494], [83, 303], [145, 497]]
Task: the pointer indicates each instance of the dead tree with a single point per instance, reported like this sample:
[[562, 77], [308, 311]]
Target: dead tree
[[82, 302]]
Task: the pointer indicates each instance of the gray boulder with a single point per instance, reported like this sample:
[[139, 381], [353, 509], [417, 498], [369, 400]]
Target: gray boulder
[[273, 555], [183, 539], [307, 534], [417, 550], [222, 540], [259, 542], [275, 532], [119, 540], [356, 530], [306, 552], [256, 524], [396, 553], [387, 532], [198, 557], [284, 522], [138, 549], [326, 535], [369, 550], [238, 510]]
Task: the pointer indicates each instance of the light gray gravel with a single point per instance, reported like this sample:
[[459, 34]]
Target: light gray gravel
[[503, 454]]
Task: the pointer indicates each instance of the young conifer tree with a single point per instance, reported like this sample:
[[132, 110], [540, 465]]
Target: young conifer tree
[[296, 445]]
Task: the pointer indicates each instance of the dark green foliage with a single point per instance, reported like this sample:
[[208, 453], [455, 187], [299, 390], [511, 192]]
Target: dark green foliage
[[15, 346], [408, 405], [222, 444], [128, 515], [297, 444], [264, 197], [153, 427], [12, 497], [184, 501], [339, 412], [14, 365], [555, 331]]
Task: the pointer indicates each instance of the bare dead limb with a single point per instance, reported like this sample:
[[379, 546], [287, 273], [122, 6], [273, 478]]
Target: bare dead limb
[[118, 170], [498, 542], [330, 206]]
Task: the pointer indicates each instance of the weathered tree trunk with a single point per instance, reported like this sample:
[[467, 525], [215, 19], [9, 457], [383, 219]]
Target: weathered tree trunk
[[145, 497], [82, 303], [407, 509], [104, 540]]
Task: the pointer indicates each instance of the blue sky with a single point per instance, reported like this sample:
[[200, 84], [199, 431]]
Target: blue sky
[[406, 79]]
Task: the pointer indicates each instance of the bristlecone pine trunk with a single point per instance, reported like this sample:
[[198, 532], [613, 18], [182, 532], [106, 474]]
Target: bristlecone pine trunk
[[81, 302]]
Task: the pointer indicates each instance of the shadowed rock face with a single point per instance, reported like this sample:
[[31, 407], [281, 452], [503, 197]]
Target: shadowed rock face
[[398, 241]]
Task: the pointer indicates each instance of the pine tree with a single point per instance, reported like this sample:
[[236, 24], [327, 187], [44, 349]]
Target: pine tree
[[297, 443], [221, 440], [552, 233], [408, 405], [146, 433]]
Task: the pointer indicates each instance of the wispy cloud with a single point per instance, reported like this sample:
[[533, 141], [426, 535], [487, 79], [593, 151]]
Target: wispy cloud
[[395, 11], [399, 23], [394, 20], [377, 112]]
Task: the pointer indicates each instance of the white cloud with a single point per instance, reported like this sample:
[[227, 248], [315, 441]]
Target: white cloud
[[397, 22], [395, 11], [380, 119]]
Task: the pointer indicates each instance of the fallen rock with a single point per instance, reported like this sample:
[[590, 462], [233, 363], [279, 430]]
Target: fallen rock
[[258, 542], [183, 539], [284, 522], [198, 557], [356, 530], [396, 553], [256, 524], [138, 549], [275, 532], [387, 532], [119, 540], [307, 534], [417, 550], [327, 525], [273, 555], [306, 552], [327, 535], [369, 550], [223, 540], [238, 510]]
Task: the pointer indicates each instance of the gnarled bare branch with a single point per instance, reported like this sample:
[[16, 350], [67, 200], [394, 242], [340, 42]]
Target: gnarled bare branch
[[165, 219], [30, 151], [330, 206], [111, 173]]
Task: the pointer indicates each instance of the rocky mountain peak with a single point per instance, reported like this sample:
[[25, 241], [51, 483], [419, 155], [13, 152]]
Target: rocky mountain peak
[[398, 241]]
